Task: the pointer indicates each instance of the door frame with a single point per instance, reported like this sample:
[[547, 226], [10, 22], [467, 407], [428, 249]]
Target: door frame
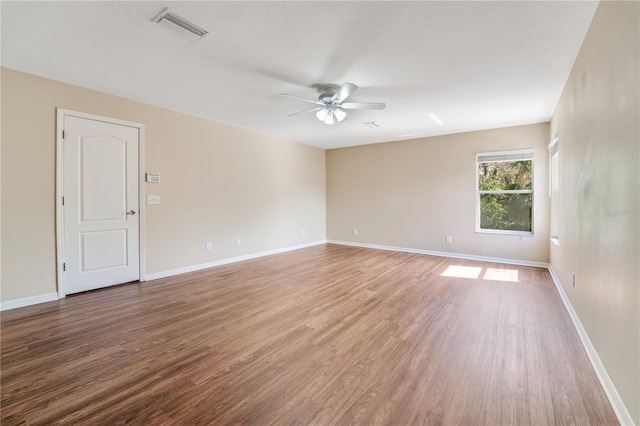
[[61, 113]]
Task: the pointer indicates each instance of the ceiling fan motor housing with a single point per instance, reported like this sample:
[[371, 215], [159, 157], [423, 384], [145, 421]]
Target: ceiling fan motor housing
[[325, 97]]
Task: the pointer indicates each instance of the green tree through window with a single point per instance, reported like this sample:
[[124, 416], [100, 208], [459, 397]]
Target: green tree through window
[[505, 191]]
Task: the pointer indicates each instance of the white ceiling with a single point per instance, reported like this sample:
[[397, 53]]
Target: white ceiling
[[476, 65]]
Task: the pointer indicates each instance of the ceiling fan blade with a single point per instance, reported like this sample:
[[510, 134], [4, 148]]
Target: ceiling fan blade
[[314, 101], [363, 105], [344, 92], [306, 110]]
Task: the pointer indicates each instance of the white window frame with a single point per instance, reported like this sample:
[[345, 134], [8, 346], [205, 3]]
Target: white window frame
[[553, 150], [496, 156]]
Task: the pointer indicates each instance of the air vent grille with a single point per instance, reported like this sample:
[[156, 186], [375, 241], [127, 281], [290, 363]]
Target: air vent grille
[[180, 25]]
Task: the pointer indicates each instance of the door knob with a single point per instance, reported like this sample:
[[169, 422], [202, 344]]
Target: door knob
[[131, 212]]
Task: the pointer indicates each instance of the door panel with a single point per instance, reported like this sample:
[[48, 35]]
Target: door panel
[[103, 249], [100, 185], [104, 177]]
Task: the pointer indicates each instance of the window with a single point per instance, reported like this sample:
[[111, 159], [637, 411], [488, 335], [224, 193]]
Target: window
[[554, 180], [504, 199]]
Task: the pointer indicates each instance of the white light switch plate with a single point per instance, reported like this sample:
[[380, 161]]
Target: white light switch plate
[[153, 199]]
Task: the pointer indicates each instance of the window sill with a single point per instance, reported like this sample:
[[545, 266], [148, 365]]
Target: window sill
[[499, 232]]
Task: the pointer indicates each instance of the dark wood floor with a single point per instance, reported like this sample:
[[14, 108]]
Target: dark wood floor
[[324, 335]]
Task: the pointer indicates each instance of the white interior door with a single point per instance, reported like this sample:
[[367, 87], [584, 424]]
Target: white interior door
[[100, 207]]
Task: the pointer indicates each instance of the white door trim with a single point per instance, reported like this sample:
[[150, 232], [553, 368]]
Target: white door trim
[[60, 114]]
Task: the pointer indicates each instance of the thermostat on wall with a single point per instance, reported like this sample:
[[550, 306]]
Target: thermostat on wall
[[153, 177]]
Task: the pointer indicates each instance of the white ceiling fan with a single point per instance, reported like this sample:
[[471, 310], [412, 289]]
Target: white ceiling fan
[[331, 103]]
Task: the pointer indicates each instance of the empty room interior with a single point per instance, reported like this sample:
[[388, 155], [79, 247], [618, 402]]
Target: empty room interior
[[318, 212]]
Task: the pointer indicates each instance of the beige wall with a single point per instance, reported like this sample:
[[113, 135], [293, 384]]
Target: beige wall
[[597, 121], [218, 183], [413, 194]]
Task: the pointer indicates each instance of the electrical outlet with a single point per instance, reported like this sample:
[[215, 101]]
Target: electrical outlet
[[238, 242], [449, 239], [355, 231], [303, 232], [153, 199], [207, 246]]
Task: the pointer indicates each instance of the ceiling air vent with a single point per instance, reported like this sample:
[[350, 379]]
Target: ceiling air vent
[[180, 25]]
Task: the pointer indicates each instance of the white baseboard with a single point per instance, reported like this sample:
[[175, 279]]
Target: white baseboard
[[444, 254], [48, 297], [28, 301], [614, 398], [193, 268]]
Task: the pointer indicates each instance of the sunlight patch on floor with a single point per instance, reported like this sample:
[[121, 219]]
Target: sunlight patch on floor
[[510, 275], [458, 271]]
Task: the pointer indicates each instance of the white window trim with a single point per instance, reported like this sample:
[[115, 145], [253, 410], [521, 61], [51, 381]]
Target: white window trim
[[511, 154], [553, 150]]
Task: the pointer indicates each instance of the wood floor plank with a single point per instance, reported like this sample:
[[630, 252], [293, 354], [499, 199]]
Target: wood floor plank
[[324, 335]]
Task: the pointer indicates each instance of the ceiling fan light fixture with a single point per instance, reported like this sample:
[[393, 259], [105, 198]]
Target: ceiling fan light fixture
[[322, 114], [340, 114], [329, 120]]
